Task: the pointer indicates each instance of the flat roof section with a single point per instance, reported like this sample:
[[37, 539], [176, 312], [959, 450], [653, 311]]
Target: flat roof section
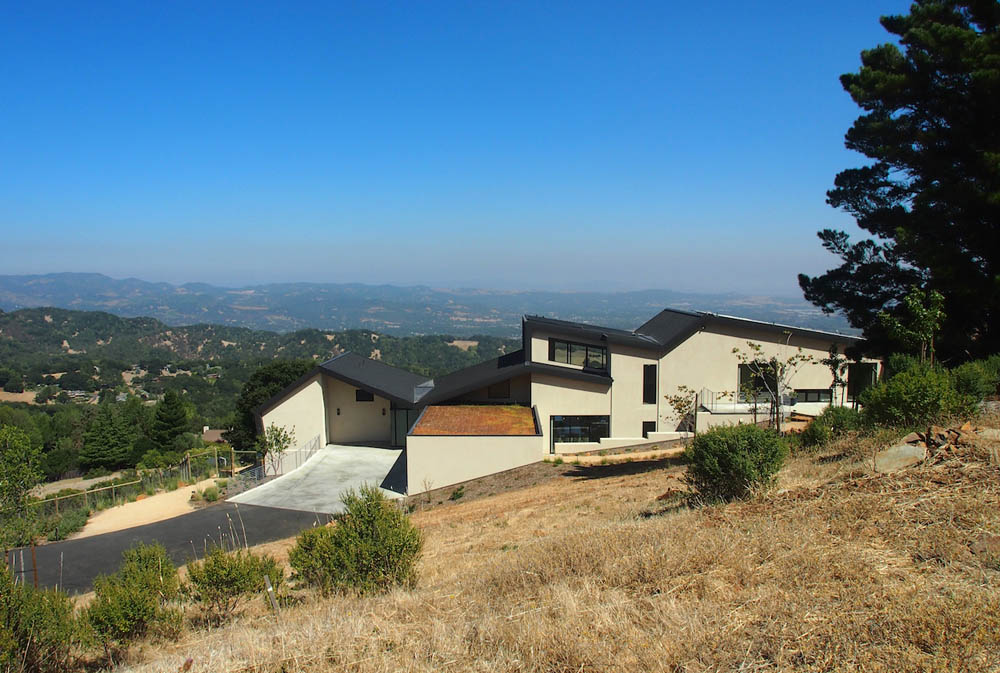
[[472, 420]]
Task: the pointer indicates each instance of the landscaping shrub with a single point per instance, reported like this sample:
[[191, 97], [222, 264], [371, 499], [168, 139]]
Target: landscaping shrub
[[210, 494], [914, 399], [371, 548], [816, 433], [974, 380], [832, 423], [223, 579], [134, 600], [69, 523], [730, 462], [37, 628]]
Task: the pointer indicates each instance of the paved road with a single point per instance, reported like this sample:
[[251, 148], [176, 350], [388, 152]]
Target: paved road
[[317, 485], [182, 537]]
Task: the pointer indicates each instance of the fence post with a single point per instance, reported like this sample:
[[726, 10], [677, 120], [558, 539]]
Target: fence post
[[112, 495], [57, 505]]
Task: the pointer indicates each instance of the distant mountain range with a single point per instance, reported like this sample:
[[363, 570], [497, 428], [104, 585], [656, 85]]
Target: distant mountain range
[[387, 309]]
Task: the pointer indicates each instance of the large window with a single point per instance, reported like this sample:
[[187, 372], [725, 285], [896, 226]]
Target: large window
[[649, 384], [580, 428], [582, 355], [757, 380], [860, 377]]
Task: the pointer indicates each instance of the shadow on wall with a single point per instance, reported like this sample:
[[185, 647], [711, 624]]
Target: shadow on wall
[[395, 480]]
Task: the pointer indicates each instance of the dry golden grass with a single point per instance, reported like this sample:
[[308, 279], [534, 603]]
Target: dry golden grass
[[836, 569]]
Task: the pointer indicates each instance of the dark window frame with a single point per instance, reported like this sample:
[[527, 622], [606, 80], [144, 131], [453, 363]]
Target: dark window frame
[[751, 371], [600, 354], [649, 384], [856, 382], [363, 395], [578, 429], [824, 395]]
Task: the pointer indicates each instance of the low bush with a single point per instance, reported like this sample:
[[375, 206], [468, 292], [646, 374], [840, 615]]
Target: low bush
[[974, 380], [914, 399], [210, 494], [371, 548], [69, 523], [457, 493], [135, 600], [833, 423], [37, 628], [223, 579], [816, 434], [731, 462]]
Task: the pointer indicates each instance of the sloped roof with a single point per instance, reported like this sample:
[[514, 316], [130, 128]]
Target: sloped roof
[[476, 420], [378, 378], [592, 332]]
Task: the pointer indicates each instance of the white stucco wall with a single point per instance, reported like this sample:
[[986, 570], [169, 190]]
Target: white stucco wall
[[627, 409], [357, 421], [556, 396], [439, 461], [706, 360], [301, 412]]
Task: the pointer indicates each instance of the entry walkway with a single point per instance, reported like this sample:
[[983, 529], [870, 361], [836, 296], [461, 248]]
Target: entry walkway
[[317, 485]]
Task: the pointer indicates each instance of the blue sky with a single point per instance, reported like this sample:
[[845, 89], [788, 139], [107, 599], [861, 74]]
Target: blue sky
[[555, 145]]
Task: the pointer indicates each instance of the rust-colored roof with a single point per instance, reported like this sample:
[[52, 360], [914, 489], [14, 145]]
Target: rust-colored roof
[[212, 436], [476, 419]]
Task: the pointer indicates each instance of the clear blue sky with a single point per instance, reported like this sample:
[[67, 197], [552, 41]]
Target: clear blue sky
[[553, 145]]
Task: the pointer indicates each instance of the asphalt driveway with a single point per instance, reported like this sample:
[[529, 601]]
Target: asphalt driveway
[[317, 485], [183, 537]]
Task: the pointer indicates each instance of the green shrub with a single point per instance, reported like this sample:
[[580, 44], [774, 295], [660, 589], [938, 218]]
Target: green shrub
[[69, 523], [134, 600], [914, 399], [816, 433], [371, 548], [210, 494], [897, 363], [37, 628], [840, 420], [730, 462], [223, 579], [457, 493], [973, 380]]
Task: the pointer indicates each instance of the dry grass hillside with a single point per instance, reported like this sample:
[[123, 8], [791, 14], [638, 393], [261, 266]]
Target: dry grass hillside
[[836, 569]]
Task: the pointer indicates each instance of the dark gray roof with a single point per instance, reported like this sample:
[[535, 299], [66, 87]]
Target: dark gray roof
[[670, 327], [590, 332], [496, 370], [376, 377]]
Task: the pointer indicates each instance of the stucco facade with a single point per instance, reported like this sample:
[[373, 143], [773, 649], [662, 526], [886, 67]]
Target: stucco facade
[[434, 461], [301, 412], [350, 421]]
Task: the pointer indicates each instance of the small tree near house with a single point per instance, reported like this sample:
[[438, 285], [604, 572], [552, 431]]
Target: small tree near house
[[771, 376], [273, 444], [837, 364], [683, 402]]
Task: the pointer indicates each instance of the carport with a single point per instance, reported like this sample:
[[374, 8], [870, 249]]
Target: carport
[[318, 484]]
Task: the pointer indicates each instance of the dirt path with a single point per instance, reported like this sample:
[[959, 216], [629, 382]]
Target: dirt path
[[148, 510], [613, 458], [78, 483]]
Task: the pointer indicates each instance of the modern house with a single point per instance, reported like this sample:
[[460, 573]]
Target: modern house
[[572, 388]]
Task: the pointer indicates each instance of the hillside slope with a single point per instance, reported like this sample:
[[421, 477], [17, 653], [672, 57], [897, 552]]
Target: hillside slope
[[34, 335], [838, 569]]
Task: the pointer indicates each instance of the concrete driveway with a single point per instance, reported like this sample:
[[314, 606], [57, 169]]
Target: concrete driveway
[[316, 486]]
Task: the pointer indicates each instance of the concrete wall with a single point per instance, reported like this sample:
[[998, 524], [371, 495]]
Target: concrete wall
[[627, 409], [301, 412], [706, 360], [436, 461], [520, 393], [358, 421], [555, 396]]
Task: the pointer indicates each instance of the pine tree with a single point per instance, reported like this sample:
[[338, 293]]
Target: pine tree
[[170, 421], [930, 196], [107, 441]]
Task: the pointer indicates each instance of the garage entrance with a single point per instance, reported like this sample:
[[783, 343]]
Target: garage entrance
[[402, 421]]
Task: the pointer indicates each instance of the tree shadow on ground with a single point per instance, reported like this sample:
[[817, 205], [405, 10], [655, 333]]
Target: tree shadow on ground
[[623, 469]]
